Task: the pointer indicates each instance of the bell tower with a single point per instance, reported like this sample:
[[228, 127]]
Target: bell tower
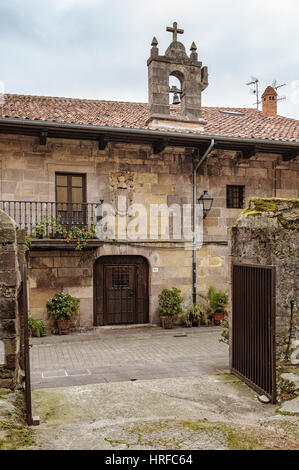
[[193, 80]]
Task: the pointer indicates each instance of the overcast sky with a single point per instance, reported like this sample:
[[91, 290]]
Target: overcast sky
[[98, 48]]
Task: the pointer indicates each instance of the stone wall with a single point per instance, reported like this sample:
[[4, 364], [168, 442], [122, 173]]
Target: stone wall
[[267, 233], [28, 173], [12, 257]]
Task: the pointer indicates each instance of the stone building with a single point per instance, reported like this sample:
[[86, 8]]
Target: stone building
[[68, 159]]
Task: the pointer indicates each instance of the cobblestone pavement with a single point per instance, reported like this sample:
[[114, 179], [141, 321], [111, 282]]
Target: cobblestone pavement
[[116, 355]]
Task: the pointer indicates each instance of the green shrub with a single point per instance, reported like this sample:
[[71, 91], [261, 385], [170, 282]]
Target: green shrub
[[225, 331], [217, 300], [63, 306], [170, 303], [185, 319], [196, 311]]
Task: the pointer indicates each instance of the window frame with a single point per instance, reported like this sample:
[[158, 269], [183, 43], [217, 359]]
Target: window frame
[[230, 197], [70, 210]]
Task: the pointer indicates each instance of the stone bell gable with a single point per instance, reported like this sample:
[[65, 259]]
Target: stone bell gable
[[193, 78]]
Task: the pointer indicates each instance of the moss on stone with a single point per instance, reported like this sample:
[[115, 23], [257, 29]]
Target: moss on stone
[[253, 214], [272, 204], [234, 227], [237, 439], [14, 433], [276, 206]]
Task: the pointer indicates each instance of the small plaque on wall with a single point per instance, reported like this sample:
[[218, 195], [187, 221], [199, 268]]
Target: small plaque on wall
[[155, 270]]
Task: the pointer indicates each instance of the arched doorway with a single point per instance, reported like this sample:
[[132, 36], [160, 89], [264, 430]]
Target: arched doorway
[[121, 291]]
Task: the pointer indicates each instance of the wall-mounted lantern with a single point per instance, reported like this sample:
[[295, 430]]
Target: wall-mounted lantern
[[206, 200]]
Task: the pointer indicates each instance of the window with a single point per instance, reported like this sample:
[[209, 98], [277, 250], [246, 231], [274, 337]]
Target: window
[[235, 197], [71, 199], [120, 277]]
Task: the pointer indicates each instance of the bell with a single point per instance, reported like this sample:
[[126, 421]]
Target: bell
[[176, 99]]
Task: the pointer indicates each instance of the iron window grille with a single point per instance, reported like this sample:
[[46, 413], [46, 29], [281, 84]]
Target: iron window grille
[[235, 197]]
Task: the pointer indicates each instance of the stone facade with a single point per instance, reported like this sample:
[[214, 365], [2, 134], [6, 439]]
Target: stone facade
[[28, 173], [12, 256], [267, 234]]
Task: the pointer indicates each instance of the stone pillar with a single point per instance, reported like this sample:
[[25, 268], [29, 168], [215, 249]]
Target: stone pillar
[[12, 256]]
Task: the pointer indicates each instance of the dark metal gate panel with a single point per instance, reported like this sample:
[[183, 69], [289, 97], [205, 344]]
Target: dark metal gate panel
[[253, 327]]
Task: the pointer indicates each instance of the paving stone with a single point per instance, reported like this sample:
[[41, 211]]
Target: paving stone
[[88, 359]]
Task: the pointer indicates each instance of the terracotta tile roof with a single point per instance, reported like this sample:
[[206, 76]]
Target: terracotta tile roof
[[231, 122]]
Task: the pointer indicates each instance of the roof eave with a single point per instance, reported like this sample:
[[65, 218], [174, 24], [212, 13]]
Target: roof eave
[[143, 135]]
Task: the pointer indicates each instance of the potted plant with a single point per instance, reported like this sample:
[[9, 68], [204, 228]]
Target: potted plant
[[81, 235], [37, 328], [196, 314], [40, 229], [185, 319], [217, 304], [62, 307], [170, 305]]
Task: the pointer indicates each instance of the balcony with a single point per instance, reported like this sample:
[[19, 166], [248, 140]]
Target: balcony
[[54, 220]]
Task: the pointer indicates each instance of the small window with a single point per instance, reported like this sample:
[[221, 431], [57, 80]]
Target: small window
[[235, 197], [120, 277]]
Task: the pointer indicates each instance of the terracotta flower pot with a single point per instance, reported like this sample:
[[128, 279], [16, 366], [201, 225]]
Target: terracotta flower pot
[[63, 326], [218, 317], [164, 323]]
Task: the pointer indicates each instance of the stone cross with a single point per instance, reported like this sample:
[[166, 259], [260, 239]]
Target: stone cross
[[175, 31]]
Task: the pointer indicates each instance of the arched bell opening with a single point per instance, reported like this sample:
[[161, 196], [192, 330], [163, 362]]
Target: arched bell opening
[[176, 88]]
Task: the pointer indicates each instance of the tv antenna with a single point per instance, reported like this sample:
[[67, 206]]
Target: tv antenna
[[276, 86], [255, 83]]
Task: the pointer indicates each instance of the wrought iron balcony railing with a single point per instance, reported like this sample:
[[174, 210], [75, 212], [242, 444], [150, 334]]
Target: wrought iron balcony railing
[[52, 219]]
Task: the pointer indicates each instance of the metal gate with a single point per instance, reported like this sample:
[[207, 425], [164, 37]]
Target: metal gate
[[253, 327]]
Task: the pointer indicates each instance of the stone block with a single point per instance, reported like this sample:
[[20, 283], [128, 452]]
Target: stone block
[[215, 261], [211, 222], [163, 189], [8, 308], [40, 314], [9, 278], [7, 329], [39, 297], [41, 262], [86, 312], [66, 261]]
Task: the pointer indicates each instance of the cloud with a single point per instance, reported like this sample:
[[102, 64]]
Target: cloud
[[99, 48]]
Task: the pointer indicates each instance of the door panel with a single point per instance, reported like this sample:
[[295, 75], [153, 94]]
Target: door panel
[[121, 290]]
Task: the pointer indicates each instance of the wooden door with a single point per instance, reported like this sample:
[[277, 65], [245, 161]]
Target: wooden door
[[120, 290]]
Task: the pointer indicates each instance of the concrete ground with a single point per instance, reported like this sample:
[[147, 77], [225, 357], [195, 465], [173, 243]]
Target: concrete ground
[[148, 388]]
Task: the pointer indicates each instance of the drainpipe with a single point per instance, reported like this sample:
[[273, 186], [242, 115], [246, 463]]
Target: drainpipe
[[194, 265]]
